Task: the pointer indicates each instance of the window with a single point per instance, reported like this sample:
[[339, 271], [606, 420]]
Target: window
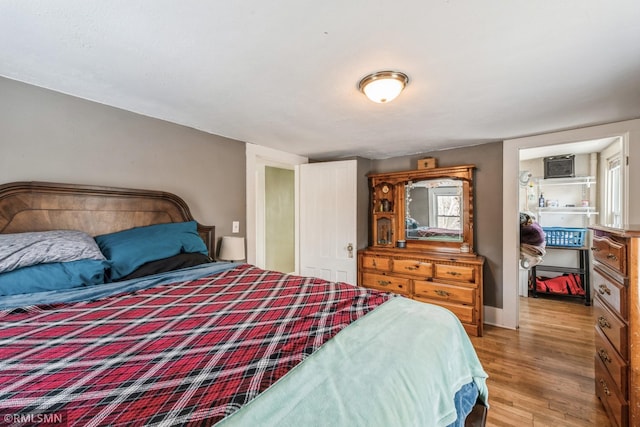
[[447, 201]]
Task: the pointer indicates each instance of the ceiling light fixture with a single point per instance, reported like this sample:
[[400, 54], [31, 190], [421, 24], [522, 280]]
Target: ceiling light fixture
[[383, 86]]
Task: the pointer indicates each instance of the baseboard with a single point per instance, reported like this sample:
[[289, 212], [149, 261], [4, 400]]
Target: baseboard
[[494, 316]]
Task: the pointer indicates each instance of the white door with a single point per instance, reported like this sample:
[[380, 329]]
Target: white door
[[327, 220]]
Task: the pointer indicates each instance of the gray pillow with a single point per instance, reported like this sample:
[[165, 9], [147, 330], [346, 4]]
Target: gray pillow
[[25, 249]]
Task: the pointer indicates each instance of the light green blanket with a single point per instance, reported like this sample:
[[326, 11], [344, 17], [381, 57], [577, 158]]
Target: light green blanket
[[400, 365]]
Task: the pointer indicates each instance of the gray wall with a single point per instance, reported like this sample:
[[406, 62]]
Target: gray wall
[[48, 136], [364, 167], [487, 203]]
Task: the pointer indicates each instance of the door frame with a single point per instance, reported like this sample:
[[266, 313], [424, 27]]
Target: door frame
[[257, 158], [508, 315]]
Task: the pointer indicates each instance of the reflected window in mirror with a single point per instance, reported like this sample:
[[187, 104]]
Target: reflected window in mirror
[[434, 209]]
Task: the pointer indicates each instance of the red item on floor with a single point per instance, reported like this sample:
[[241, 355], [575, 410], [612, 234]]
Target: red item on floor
[[567, 284]]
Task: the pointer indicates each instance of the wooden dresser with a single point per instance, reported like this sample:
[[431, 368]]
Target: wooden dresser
[[421, 240], [617, 321], [453, 281]]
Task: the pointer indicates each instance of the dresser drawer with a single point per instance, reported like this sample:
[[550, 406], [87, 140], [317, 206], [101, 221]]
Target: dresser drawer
[[412, 273], [612, 327], [444, 292], [610, 252], [386, 283], [376, 263], [461, 273], [615, 405], [465, 313], [417, 267], [611, 360], [611, 292]]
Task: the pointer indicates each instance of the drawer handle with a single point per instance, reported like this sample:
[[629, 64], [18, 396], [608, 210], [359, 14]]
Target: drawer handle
[[374, 263], [612, 257], [412, 267], [594, 249], [603, 322], [603, 383], [384, 282], [604, 289], [454, 273], [442, 293], [604, 355]]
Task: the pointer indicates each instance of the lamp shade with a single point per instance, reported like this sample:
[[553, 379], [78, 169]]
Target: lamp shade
[[231, 248], [383, 86]]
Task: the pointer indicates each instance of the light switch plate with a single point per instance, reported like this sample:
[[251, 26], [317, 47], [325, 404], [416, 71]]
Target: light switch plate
[[235, 227]]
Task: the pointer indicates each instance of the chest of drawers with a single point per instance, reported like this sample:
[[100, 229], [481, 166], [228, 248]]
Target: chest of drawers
[[450, 281], [617, 322]]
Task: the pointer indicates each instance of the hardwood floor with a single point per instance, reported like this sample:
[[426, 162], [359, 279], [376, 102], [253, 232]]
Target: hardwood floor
[[542, 374]]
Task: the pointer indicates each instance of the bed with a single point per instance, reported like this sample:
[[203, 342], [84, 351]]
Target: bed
[[157, 337], [422, 232]]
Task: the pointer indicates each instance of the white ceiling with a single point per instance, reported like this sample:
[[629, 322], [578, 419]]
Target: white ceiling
[[284, 73]]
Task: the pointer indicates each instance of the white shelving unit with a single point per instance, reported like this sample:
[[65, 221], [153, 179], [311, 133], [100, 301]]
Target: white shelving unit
[[568, 210], [570, 198], [576, 180], [568, 194]]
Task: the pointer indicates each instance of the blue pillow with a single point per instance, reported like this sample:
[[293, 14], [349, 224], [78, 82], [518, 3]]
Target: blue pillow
[[129, 249], [53, 276]]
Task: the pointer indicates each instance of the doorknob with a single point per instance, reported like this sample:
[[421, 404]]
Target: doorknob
[[350, 249]]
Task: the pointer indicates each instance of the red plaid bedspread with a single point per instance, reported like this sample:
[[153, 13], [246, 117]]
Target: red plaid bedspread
[[187, 353]]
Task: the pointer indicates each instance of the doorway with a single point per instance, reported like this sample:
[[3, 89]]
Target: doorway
[[258, 158], [508, 316], [279, 219], [329, 249], [564, 203]]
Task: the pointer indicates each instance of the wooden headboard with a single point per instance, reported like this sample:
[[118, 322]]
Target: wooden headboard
[[44, 206]]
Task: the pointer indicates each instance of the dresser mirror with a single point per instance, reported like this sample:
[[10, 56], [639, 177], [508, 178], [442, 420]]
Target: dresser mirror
[[433, 210], [423, 209]]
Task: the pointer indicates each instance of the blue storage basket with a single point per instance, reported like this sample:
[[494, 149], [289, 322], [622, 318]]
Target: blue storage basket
[[564, 236]]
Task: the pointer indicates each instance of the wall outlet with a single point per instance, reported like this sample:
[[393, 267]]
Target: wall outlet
[[235, 227]]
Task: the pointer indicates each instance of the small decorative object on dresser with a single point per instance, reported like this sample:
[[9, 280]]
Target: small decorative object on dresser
[[427, 163], [617, 328], [422, 247]]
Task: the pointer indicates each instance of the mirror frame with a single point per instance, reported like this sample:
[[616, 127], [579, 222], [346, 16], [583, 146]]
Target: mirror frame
[[399, 180]]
